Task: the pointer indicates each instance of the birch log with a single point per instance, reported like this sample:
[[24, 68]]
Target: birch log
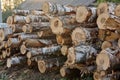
[[108, 21], [82, 35], [86, 14], [106, 7], [58, 9], [106, 59], [38, 13], [21, 12]]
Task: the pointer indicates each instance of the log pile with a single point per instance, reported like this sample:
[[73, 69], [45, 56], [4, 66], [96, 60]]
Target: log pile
[[72, 39]]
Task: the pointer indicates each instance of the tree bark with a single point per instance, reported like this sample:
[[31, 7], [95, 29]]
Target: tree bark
[[16, 28], [19, 19], [86, 14], [58, 9], [21, 12]]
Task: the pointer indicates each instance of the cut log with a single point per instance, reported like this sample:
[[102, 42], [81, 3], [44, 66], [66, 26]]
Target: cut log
[[13, 42], [64, 50], [45, 50], [105, 8], [117, 10], [15, 61], [64, 40], [46, 34], [21, 12], [106, 59], [82, 35], [58, 9], [4, 33], [80, 54], [107, 35], [16, 28], [108, 21], [48, 64], [119, 42], [106, 44], [35, 18], [59, 24], [86, 14], [10, 20], [19, 19], [28, 28], [28, 36], [38, 13], [99, 75]]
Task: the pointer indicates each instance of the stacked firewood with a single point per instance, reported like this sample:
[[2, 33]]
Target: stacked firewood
[[69, 38]]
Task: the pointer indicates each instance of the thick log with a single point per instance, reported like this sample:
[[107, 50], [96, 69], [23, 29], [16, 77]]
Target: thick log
[[28, 36], [64, 40], [29, 28], [35, 18], [10, 20], [15, 61], [106, 59], [117, 10], [46, 34], [59, 24], [19, 19], [80, 54], [108, 21], [45, 50], [4, 33], [82, 35], [107, 35], [58, 9], [105, 7], [48, 64], [16, 28], [64, 50], [13, 42], [21, 12], [38, 13], [86, 14]]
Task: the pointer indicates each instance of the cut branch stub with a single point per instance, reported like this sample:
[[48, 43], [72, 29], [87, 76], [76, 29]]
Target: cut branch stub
[[80, 54], [58, 9], [15, 60], [117, 10], [105, 8], [48, 64], [19, 19], [21, 12], [106, 59], [86, 14], [108, 21], [81, 35]]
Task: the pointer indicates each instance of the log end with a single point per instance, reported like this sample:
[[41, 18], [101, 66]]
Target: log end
[[63, 72], [8, 51], [2, 35], [41, 66], [4, 54], [10, 20], [81, 14], [119, 42], [29, 62], [60, 40], [102, 8], [23, 49], [106, 44], [78, 36], [101, 20], [8, 62], [27, 28], [64, 50], [56, 26], [103, 60], [45, 7], [117, 10]]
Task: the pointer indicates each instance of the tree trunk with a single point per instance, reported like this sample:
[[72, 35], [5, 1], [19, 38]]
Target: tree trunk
[[107, 35], [48, 64], [80, 54], [108, 21], [15, 61], [106, 59], [21, 12], [82, 35], [105, 8], [58, 9], [86, 14]]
